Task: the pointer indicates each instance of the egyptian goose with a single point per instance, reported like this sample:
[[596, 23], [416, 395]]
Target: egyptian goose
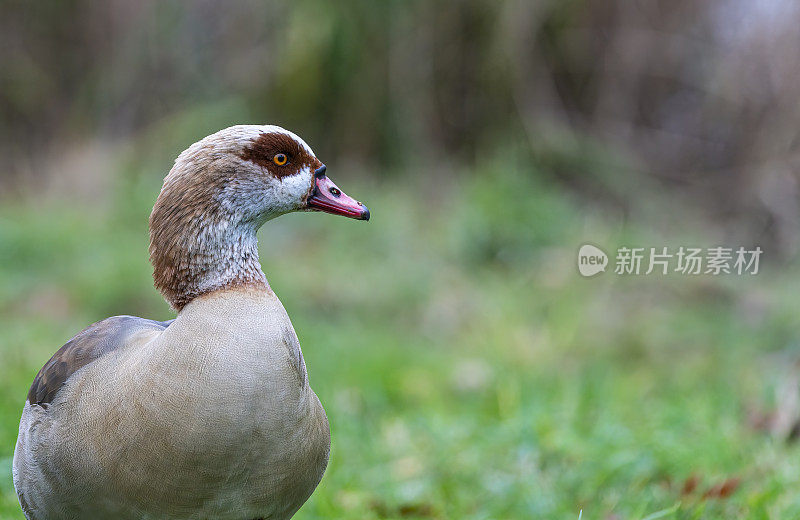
[[209, 415]]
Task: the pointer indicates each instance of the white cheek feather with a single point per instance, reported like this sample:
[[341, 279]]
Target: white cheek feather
[[274, 198], [295, 187]]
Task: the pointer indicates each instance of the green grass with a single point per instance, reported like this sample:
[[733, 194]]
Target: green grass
[[467, 370]]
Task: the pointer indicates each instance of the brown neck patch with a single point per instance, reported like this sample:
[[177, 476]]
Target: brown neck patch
[[267, 145], [193, 248]]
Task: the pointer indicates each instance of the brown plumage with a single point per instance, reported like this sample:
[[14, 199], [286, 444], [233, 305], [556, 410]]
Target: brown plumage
[[264, 148]]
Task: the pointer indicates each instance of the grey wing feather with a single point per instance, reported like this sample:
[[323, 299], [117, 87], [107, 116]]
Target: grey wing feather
[[90, 344]]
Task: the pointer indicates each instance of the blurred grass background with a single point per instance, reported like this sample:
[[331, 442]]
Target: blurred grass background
[[468, 371]]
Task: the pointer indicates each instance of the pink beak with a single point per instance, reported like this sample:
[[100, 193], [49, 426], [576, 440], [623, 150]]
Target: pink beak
[[326, 196]]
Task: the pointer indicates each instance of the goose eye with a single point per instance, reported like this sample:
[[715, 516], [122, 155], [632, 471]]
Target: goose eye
[[280, 159]]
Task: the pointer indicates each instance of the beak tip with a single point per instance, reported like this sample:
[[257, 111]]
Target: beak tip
[[365, 215]]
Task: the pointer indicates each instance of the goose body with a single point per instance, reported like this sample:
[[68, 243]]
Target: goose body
[[208, 416]]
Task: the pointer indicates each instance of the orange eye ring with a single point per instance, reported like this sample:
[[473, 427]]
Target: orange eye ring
[[280, 159]]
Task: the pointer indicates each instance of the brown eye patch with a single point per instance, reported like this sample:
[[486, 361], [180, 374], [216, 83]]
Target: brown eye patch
[[279, 154]]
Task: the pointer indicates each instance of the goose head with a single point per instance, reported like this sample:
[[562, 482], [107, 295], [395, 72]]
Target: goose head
[[220, 191]]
